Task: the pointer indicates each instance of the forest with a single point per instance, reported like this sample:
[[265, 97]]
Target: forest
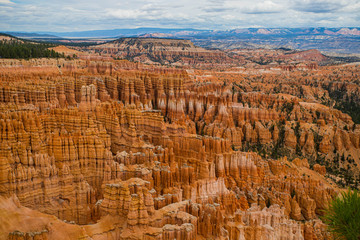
[[25, 50]]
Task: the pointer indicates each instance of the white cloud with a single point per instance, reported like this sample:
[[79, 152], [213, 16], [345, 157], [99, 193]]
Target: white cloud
[[320, 6], [264, 7], [125, 13], [353, 7], [147, 12], [69, 15], [6, 2], [253, 7]]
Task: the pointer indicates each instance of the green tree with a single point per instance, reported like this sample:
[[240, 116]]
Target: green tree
[[343, 216], [25, 50]]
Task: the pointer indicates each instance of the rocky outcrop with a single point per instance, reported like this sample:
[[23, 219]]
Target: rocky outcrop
[[143, 152], [174, 52], [268, 223], [88, 99]]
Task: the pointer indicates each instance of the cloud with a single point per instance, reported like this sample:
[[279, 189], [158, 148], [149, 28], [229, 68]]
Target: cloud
[[69, 15], [352, 7], [125, 13], [318, 6], [217, 9], [6, 2], [264, 8], [147, 12]]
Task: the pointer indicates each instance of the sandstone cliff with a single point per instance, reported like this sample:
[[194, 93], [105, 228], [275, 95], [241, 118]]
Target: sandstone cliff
[[117, 150]]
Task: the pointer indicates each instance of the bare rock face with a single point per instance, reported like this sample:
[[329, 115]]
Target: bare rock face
[[313, 55], [264, 224], [325, 145], [130, 199], [301, 162], [161, 51], [88, 98], [118, 150], [290, 138], [320, 169], [16, 235]]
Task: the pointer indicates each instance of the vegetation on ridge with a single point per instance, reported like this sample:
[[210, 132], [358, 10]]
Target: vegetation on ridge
[[19, 49]]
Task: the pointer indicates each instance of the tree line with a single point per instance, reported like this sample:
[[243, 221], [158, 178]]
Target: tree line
[[26, 50]]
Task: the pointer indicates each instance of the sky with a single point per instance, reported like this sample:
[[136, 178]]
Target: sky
[[82, 15]]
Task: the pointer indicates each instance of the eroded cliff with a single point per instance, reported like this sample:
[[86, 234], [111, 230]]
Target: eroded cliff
[[117, 150]]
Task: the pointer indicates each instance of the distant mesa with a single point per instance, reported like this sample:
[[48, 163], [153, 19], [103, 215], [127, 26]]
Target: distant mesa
[[182, 142], [165, 51], [347, 31], [331, 40], [308, 55]]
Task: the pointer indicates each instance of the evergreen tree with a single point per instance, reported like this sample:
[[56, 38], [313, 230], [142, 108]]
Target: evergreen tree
[[25, 50]]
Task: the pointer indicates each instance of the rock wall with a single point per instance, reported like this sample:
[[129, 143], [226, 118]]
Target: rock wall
[[153, 154]]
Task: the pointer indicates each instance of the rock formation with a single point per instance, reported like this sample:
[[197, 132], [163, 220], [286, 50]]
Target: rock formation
[[118, 150]]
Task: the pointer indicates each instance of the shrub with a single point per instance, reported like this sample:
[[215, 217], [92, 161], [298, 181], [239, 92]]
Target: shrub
[[343, 216]]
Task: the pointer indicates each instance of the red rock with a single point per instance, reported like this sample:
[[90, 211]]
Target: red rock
[[134, 151]]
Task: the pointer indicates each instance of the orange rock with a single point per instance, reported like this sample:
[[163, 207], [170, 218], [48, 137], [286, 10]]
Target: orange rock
[[290, 138], [320, 169], [137, 151], [301, 162]]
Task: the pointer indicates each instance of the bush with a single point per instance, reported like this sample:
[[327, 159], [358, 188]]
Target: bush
[[343, 216]]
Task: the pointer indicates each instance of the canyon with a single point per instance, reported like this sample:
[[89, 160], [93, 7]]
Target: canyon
[[237, 144]]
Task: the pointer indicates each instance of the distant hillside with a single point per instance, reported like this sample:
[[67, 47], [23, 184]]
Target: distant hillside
[[65, 50], [309, 55], [329, 40], [176, 52], [30, 35], [333, 41], [198, 33], [8, 37], [120, 32], [13, 47]]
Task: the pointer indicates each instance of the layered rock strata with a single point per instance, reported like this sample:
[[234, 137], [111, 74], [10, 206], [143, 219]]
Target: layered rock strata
[[155, 154]]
